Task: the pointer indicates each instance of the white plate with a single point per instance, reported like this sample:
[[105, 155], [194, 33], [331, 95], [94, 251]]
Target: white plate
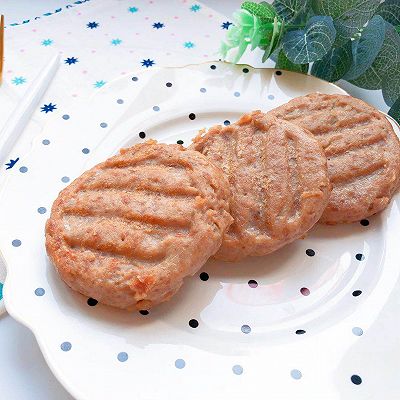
[[246, 345]]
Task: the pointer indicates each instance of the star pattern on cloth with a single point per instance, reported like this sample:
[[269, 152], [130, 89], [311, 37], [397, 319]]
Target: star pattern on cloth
[[116, 42], [92, 25], [99, 84], [71, 60], [18, 80], [133, 10], [47, 42], [188, 45], [48, 108], [195, 7], [226, 25], [11, 163], [148, 63], [158, 25]]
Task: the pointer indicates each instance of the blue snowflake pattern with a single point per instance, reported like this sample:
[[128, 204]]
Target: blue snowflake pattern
[[18, 80], [158, 25], [226, 25], [188, 45], [47, 42], [133, 9], [99, 84], [116, 42], [92, 25], [148, 63], [71, 60], [195, 7], [11, 163], [48, 108]]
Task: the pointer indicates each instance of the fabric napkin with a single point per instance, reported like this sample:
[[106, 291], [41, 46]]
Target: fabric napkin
[[98, 41]]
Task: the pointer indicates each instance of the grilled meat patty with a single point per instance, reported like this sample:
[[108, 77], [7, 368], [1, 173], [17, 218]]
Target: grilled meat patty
[[278, 177], [129, 230]]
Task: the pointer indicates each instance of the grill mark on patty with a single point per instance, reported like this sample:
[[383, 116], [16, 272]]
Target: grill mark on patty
[[331, 125], [276, 167], [133, 225], [229, 165], [98, 257], [164, 179], [306, 110], [107, 236], [357, 173], [147, 207], [338, 148], [146, 188], [124, 161], [293, 172]]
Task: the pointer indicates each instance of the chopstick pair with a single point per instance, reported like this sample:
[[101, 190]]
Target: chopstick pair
[[21, 115]]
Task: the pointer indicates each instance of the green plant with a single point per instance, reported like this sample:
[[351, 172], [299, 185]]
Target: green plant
[[354, 40]]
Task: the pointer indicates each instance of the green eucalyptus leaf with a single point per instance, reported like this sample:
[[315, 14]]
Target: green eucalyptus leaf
[[262, 10], [391, 85], [334, 64], [311, 43], [366, 48], [390, 11], [284, 63], [289, 10], [394, 112], [349, 15], [386, 60]]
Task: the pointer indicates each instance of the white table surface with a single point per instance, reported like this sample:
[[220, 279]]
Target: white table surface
[[24, 374]]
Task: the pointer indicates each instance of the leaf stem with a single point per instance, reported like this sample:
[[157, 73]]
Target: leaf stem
[[294, 26]]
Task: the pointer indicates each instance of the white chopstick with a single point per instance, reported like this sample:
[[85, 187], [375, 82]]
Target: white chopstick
[[20, 117]]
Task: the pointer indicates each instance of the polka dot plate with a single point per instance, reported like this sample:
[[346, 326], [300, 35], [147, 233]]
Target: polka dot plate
[[315, 320]]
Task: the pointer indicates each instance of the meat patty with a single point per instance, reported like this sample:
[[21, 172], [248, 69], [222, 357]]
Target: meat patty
[[278, 177], [362, 149], [129, 230]]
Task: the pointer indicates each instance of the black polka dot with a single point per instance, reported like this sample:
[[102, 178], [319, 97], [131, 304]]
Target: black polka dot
[[135, 78], [91, 302], [278, 72], [227, 122], [245, 70], [300, 332], [204, 276], [364, 222], [310, 252], [193, 323], [192, 116], [356, 379], [144, 312], [142, 135], [179, 141], [213, 66], [357, 293], [168, 84], [360, 257], [252, 283], [305, 291]]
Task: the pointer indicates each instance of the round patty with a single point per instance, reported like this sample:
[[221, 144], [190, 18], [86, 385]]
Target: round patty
[[362, 149], [278, 177], [129, 230]]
